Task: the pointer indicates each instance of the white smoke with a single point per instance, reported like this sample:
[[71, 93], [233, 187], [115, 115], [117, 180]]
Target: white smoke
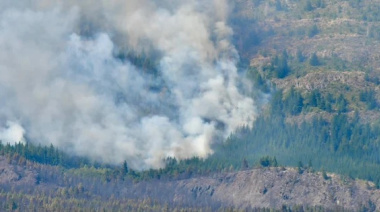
[[12, 134], [60, 79]]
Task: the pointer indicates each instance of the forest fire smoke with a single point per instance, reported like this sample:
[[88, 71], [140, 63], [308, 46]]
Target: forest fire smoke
[[63, 79]]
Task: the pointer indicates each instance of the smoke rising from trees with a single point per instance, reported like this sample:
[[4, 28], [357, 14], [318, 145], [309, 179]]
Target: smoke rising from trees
[[61, 81]]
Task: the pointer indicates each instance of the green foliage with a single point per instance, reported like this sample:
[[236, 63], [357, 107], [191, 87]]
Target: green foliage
[[314, 61], [278, 67], [373, 78], [244, 165], [277, 103], [300, 56], [300, 167], [268, 161], [313, 31], [369, 97], [324, 175], [320, 3], [255, 76], [315, 99], [341, 145], [278, 5], [281, 66], [308, 6], [310, 164], [293, 102], [44, 154], [125, 168], [341, 104]]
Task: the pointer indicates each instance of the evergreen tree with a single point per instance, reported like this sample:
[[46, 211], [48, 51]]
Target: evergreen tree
[[300, 56], [313, 31], [300, 167], [278, 5], [294, 102], [324, 174], [341, 104], [283, 68], [314, 61], [308, 6], [275, 163], [125, 167], [244, 165], [369, 97]]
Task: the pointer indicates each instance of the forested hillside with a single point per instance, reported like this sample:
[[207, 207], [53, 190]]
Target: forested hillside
[[312, 68], [30, 186], [317, 62]]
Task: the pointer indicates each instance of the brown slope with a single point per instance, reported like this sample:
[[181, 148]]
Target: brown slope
[[275, 187], [256, 188]]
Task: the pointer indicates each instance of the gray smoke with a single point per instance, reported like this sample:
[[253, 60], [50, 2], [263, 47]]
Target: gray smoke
[[61, 83]]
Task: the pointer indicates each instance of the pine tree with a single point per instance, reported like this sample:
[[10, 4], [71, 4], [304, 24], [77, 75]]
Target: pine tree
[[245, 164], [324, 175], [300, 167], [300, 56], [313, 31], [314, 61], [125, 167], [308, 6]]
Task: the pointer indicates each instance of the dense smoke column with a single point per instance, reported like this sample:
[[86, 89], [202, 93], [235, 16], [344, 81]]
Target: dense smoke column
[[63, 82]]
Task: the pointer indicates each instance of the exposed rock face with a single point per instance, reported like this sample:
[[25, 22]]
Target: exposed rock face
[[321, 80], [275, 187]]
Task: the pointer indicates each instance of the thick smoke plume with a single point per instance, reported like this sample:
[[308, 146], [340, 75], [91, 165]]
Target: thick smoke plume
[[63, 81]]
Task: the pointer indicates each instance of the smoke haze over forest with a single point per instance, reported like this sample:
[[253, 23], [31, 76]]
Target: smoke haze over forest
[[62, 81]]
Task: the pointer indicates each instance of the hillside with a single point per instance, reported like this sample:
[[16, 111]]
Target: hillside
[[46, 188], [197, 105], [343, 35], [316, 70]]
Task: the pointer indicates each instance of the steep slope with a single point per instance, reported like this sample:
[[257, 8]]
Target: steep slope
[[275, 187], [347, 30], [342, 35]]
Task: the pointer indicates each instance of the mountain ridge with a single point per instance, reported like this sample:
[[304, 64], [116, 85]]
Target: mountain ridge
[[271, 187]]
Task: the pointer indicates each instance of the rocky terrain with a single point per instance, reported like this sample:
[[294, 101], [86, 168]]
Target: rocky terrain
[[342, 29], [275, 187], [323, 80], [344, 35], [255, 188]]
